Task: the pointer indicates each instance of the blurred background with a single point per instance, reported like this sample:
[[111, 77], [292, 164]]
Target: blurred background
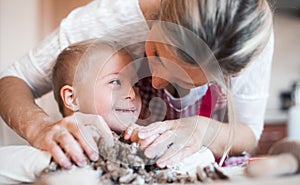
[[24, 23]]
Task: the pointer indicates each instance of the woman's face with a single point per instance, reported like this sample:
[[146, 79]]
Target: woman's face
[[167, 68]]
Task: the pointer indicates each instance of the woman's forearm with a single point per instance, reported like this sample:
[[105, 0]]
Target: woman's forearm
[[19, 110], [178, 139], [221, 135]]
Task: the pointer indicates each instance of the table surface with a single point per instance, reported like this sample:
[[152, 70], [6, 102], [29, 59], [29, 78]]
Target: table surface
[[237, 177]]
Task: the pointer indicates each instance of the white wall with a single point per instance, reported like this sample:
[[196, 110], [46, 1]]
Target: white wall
[[19, 29], [286, 61], [23, 23]]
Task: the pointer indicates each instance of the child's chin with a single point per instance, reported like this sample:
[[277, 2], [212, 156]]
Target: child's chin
[[123, 122], [118, 127]]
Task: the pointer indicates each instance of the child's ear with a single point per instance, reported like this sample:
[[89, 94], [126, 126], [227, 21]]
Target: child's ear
[[67, 95]]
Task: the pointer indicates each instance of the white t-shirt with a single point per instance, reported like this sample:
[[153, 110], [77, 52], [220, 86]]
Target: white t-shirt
[[99, 18]]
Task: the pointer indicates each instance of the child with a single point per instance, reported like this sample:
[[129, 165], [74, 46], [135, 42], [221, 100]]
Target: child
[[97, 77]]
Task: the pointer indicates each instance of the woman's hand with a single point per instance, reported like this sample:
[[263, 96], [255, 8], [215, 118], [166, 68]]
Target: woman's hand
[[170, 141], [71, 138]]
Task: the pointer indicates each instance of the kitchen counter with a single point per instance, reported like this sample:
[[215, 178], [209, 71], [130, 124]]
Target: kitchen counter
[[275, 129], [237, 177]]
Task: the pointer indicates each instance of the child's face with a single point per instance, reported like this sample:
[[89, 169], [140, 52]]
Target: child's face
[[113, 95]]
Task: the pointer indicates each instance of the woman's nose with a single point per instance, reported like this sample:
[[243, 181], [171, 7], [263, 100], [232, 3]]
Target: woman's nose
[[159, 83]]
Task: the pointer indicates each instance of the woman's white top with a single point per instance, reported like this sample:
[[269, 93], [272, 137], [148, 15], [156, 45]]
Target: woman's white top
[[99, 18]]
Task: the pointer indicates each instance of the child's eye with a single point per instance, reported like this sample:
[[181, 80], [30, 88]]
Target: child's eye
[[115, 82]]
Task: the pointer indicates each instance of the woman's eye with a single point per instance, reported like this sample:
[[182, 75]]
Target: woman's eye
[[157, 57], [115, 82], [136, 84]]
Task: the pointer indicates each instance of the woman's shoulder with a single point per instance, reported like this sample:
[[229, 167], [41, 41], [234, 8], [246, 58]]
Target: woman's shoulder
[[253, 82], [115, 20]]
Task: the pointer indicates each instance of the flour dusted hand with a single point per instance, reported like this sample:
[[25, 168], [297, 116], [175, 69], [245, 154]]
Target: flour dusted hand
[[71, 138]]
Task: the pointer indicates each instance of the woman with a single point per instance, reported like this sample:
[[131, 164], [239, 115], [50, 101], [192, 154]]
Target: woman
[[235, 31]]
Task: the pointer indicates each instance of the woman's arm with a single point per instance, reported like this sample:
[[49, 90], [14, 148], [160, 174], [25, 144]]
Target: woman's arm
[[16, 101], [243, 139]]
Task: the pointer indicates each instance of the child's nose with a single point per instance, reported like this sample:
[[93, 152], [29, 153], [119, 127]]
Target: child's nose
[[131, 94]]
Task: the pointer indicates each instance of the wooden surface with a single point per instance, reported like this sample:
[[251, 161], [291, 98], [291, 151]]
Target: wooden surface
[[271, 134]]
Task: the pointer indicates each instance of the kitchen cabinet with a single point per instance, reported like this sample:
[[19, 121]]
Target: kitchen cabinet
[[272, 133]]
